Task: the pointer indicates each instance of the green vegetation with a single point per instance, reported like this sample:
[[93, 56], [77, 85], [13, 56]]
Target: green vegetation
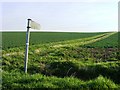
[[0, 42], [110, 42], [13, 81], [17, 39], [64, 64]]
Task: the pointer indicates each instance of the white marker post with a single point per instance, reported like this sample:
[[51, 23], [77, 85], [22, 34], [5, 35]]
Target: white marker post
[[27, 46], [33, 25]]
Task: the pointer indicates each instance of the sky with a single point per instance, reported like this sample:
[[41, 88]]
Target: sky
[[88, 16]]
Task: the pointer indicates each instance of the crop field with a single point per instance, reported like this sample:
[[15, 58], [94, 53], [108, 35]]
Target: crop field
[[17, 39], [61, 60]]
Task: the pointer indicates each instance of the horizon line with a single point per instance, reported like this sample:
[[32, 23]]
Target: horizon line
[[32, 30]]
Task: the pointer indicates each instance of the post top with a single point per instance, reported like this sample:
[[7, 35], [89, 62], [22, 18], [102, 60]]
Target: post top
[[29, 19]]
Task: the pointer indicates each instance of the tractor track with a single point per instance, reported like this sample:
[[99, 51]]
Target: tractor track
[[68, 43]]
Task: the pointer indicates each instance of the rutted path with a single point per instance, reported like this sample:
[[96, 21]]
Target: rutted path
[[76, 42], [84, 41]]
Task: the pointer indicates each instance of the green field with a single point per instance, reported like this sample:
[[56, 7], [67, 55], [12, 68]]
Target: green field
[[17, 39], [107, 42], [62, 60]]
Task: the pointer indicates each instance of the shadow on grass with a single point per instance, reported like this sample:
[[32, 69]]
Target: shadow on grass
[[82, 71]]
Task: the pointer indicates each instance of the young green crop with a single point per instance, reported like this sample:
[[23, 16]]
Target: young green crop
[[110, 42], [17, 39]]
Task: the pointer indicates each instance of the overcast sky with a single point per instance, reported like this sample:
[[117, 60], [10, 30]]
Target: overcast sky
[[95, 16]]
